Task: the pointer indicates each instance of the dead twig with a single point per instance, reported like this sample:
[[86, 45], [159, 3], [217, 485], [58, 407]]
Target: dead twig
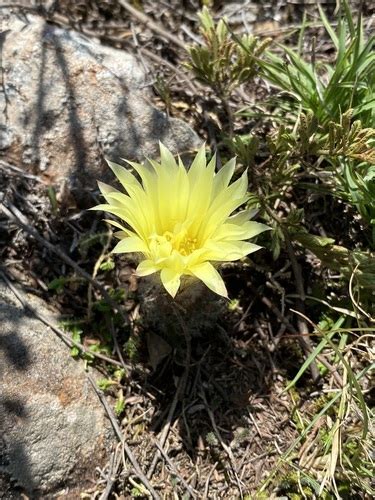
[[116, 344], [111, 477], [137, 469], [225, 447], [174, 471], [156, 28], [303, 339], [13, 214], [95, 272], [166, 428], [19, 172], [320, 357], [195, 87], [3, 35], [20, 6], [207, 483], [62, 335]]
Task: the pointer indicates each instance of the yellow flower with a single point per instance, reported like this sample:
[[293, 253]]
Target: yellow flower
[[180, 220]]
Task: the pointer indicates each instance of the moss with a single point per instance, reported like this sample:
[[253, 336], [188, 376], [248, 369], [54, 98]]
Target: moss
[[291, 485]]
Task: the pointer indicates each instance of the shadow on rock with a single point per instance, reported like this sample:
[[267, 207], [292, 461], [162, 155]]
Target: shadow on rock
[[14, 356]]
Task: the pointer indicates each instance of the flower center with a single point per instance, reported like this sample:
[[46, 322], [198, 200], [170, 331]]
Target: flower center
[[179, 240], [187, 245]]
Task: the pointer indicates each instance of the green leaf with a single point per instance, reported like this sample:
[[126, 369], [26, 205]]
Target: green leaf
[[76, 337], [58, 284], [108, 265], [310, 240], [328, 27], [120, 406], [104, 383]]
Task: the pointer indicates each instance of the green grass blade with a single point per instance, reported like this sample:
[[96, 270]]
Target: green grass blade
[[328, 27]]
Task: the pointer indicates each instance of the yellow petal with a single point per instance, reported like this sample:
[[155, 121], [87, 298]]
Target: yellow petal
[[210, 277], [171, 280], [226, 251], [105, 189], [146, 174], [135, 191], [223, 205], [218, 215], [171, 188], [146, 267], [137, 209], [134, 221], [199, 163], [167, 159], [130, 244], [149, 179], [128, 181], [223, 177], [200, 195], [115, 224], [245, 231], [177, 211], [121, 234], [243, 216]]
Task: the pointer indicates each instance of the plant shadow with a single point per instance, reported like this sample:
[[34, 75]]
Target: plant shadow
[[231, 403]]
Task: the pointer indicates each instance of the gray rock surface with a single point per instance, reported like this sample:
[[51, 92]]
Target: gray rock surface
[[69, 101], [53, 431]]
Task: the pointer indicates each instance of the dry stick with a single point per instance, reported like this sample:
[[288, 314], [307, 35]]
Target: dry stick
[[116, 344], [303, 339], [18, 218], [151, 24], [194, 87], [111, 477], [166, 428], [64, 337], [18, 171], [207, 484], [137, 470], [283, 320], [18, 6], [174, 470], [368, 316], [225, 447]]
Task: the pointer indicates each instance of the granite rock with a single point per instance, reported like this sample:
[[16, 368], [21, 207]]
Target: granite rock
[[53, 429], [70, 101]]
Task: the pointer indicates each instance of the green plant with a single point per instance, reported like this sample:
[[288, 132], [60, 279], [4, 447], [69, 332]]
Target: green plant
[[345, 150], [222, 62], [328, 89], [120, 403], [245, 147], [332, 446]]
